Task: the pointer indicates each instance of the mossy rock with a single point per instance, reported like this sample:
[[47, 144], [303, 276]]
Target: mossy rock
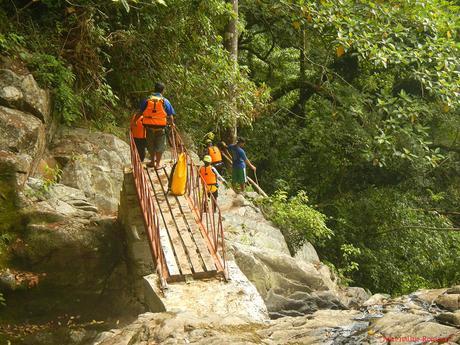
[[11, 219]]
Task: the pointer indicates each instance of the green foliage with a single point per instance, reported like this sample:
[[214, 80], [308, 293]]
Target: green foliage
[[298, 221], [53, 176], [402, 246], [52, 73], [10, 217], [10, 42], [364, 118], [101, 59]]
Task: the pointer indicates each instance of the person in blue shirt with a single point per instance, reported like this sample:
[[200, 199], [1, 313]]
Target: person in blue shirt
[[157, 112], [239, 162]]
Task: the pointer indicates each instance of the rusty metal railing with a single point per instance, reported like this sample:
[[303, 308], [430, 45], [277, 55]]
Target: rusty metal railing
[[149, 214], [203, 203]]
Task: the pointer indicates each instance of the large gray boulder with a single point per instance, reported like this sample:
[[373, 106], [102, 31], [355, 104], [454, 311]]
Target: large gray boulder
[[450, 299], [77, 254], [92, 162], [23, 93], [289, 287], [307, 253], [66, 237], [22, 142], [244, 223]]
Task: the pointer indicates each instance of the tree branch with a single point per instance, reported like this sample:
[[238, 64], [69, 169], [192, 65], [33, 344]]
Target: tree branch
[[415, 227], [255, 53], [297, 84]]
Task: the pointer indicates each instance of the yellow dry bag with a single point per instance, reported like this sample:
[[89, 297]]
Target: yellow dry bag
[[179, 176]]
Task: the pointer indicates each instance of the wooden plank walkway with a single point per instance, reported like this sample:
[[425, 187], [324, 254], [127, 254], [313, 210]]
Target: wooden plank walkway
[[186, 252]]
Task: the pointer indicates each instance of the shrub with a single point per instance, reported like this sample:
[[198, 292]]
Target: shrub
[[298, 221]]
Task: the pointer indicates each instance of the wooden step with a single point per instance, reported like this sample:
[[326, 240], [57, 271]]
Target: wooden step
[[189, 245], [186, 251], [170, 226], [196, 233]]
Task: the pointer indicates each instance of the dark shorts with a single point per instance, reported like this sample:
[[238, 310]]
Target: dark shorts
[[239, 175], [156, 139]]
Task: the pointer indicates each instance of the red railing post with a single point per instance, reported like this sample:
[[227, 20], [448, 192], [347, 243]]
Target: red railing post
[[149, 215]]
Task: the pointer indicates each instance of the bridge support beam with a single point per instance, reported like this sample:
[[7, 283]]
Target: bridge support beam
[[152, 294]]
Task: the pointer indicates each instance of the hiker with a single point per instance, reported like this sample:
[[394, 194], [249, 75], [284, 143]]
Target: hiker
[[239, 160], [157, 112], [138, 131], [216, 156], [211, 176]]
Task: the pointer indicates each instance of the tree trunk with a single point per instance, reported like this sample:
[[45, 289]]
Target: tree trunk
[[304, 92], [231, 44], [231, 33]]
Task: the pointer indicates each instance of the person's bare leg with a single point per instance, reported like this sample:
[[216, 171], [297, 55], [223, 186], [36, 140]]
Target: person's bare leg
[[158, 159], [150, 142]]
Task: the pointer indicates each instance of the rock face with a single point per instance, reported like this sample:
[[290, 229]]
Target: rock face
[[67, 253], [288, 287], [23, 93], [244, 223], [25, 121], [406, 320], [307, 253], [92, 162], [22, 141], [76, 253]]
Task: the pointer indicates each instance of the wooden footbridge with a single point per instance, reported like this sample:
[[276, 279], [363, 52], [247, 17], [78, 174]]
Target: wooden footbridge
[[185, 232]]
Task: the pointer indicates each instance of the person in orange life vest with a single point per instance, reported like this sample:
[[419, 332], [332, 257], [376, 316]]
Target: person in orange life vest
[[216, 155], [157, 113], [138, 131], [211, 176]]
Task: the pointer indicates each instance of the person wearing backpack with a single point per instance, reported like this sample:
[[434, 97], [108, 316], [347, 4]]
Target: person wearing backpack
[[211, 177], [138, 131], [157, 113], [216, 156]]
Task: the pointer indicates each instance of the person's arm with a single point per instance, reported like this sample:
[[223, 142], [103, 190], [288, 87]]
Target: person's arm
[[142, 106], [247, 161], [170, 111], [252, 166], [219, 176]]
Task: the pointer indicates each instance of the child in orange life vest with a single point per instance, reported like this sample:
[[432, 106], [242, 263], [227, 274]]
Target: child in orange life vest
[[138, 131], [216, 156], [211, 176]]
